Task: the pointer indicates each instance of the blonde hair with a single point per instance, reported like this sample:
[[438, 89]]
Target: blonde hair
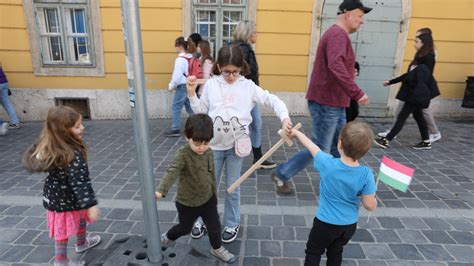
[[56, 145], [356, 139], [244, 30]]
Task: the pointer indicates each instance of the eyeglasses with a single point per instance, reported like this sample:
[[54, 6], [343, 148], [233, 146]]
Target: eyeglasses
[[227, 74]]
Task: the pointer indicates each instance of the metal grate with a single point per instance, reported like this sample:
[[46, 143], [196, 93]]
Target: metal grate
[[81, 105]]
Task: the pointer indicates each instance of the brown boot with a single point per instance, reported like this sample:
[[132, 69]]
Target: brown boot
[[282, 187]]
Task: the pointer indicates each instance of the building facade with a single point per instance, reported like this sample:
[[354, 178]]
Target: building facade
[[72, 51]]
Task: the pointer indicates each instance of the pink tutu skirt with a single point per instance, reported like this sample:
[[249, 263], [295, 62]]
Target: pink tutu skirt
[[63, 225]]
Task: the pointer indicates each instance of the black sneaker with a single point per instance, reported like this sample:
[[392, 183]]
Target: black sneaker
[[382, 143], [198, 230], [266, 164], [230, 234], [423, 146], [172, 133]]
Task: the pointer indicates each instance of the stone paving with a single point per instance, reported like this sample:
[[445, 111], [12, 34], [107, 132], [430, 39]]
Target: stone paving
[[431, 224]]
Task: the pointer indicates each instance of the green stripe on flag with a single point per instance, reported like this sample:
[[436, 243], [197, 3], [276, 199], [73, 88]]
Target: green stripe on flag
[[392, 182]]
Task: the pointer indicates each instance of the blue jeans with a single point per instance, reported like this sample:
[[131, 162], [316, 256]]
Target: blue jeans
[[180, 98], [5, 101], [233, 166], [327, 123], [256, 127]]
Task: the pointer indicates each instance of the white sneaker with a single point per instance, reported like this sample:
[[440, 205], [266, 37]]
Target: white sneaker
[[224, 255], [383, 134], [3, 129], [435, 137]]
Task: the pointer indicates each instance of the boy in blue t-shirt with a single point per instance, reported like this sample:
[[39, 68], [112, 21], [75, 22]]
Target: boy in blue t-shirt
[[344, 184]]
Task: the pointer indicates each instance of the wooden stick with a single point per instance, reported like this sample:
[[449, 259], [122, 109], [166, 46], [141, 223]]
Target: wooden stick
[[258, 163]]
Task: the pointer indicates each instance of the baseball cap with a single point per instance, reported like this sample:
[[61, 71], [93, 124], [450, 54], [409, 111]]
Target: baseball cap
[[348, 5]]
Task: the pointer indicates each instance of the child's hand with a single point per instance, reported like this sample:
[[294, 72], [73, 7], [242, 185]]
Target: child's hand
[[93, 213], [294, 133], [286, 126], [386, 83], [191, 84], [158, 195]]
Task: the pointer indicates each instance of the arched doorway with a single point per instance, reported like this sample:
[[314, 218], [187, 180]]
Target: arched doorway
[[379, 46]]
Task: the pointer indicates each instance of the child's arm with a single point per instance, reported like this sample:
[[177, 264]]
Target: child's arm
[[369, 202], [313, 148], [178, 72], [171, 175], [199, 105], [80, 182]]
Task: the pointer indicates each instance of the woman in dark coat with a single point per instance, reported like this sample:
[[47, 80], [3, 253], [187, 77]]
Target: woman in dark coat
[[244, 35], [417, 90]]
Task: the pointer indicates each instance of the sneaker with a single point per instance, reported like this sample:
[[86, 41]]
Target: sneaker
[[90, 243], [172, 133], [223, 254], [266, 164], [14, 126], [230, 234], [165, 241], [3, 129], [282, 187], [198, 230], [382, 143], [383, 134], [423, 146], [435, 137]]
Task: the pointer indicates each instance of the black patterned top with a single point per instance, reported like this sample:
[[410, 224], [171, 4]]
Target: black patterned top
[[69, 189]]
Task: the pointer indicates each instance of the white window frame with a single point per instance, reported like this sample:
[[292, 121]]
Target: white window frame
[[219, 7], [68, 66]]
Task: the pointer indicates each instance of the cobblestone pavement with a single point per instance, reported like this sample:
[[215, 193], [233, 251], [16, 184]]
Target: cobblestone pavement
[[431, 224]]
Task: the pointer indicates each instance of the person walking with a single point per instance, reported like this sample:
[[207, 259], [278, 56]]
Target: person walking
[[417, 90], [244, 36], [5, 100], [430, 61], [331, 88]]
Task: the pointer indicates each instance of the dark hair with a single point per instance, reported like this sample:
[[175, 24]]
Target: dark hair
[[187, 44], [199, 128], [230, 55], [205, 51], [196, 37], [428, 45], [356, 139], [425, 31]]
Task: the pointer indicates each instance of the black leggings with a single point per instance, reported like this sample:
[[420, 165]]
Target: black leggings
[[187, 215], [417, 112], [330, 238]]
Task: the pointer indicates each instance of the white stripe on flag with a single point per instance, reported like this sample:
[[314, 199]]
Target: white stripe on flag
[[400, 177]]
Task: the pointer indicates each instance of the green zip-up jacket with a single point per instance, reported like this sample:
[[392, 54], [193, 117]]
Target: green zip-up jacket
[[196, 183]]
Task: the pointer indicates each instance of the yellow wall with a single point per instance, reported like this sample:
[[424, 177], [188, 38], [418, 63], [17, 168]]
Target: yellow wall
[[284, 31], [161, 24], [453, 32]]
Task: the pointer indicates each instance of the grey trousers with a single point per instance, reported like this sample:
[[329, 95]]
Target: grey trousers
[[427, 114]]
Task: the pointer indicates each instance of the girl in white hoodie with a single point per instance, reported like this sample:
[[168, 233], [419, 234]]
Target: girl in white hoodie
[[228, 98], [185, 49]]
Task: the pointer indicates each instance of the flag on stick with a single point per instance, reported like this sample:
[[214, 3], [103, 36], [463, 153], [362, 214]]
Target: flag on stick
[[395, 174]]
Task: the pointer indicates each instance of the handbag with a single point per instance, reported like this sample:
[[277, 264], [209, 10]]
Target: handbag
[[242, 144]]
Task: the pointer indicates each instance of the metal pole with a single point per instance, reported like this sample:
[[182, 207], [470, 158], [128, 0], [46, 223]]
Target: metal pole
[[137, 94]]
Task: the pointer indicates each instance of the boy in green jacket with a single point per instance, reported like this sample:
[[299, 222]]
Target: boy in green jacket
[[196, 196]]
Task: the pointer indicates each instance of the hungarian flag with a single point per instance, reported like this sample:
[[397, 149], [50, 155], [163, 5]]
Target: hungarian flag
[[395, 174]]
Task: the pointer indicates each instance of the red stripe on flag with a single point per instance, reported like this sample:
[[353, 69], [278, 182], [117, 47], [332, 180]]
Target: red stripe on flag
[[398, 166]]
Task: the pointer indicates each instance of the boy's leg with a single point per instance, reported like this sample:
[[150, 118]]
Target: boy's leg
[[319, 238], [186, 216], [334, 250], [211, 219], [179, 100]]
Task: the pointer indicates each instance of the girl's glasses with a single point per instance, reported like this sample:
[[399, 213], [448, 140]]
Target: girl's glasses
[[227, 74]]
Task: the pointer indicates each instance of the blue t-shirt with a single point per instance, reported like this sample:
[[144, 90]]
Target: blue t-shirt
[[340, 188]]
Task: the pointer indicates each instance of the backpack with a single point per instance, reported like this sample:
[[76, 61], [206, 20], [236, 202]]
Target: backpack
[[194, 67]]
